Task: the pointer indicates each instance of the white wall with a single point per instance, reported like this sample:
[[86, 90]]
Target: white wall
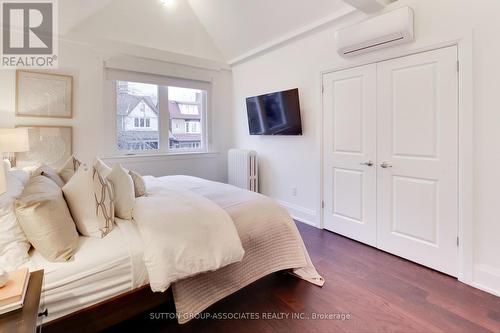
[[86, 67], [94, 131], [288, 162]]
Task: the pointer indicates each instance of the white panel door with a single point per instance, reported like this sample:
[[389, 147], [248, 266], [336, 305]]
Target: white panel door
[[349, 102], [417, 148]]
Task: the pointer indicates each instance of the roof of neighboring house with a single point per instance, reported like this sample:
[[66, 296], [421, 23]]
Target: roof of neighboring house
[[126, 103], [183, 137], [175, 112]]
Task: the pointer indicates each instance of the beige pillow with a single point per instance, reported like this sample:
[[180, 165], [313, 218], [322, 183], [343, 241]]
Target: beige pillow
[[50, 173], [84, 203], [101, 167], [69, 168], [139, 184], [45, 219], [123, 187]]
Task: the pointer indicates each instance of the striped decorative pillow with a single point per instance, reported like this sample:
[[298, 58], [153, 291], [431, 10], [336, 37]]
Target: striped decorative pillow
[[104, 202]]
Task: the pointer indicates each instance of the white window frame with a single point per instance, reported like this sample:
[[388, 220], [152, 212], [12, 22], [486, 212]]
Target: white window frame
[[163, 83]]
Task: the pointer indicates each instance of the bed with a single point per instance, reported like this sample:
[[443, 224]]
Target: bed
[[101, 269], [75, 292]]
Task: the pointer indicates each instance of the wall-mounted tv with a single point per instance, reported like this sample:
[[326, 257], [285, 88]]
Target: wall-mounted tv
[[275, 114]]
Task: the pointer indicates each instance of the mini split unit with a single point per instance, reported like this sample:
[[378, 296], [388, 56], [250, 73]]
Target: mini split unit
[[392, 28]]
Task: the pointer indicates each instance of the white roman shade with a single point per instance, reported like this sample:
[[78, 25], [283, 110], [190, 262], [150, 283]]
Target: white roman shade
[[156, 72]]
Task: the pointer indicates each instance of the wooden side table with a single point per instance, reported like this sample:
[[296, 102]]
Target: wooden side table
[[25, 319]]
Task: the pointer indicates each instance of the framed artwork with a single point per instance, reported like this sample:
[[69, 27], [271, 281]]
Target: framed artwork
[[51, 145], [44, 95]]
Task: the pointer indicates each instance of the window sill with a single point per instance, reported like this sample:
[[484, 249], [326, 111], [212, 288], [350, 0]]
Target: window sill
[[188, 155]]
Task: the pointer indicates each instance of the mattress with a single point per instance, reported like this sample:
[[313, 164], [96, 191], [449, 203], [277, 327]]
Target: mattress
[[101, 269]]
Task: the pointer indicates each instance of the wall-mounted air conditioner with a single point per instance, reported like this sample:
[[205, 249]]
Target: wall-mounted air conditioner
[[392, 28]]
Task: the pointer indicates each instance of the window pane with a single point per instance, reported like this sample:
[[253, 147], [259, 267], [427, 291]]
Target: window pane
[[186, 111], [183, 94], [137, 116]]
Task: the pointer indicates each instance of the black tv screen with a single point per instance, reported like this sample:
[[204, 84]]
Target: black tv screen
[[275, 114]]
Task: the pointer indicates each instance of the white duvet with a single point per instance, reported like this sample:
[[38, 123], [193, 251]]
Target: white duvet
[[184, 234]]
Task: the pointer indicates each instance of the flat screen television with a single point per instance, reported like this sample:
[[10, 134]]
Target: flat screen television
[[276, 113]]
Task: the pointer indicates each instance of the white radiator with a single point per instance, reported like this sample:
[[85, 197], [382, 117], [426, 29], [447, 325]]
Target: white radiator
[[243, 169]]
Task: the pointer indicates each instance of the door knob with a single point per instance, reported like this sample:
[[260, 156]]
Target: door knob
[[367, 163], [385, 165]]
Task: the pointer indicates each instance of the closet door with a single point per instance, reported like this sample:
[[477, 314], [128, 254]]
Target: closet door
[[417, 148], [349, 102]]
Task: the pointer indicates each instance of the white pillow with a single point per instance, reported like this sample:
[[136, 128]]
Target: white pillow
[[30, 169], [21, 176], [6, 166], [101, 167], [49, 172], [81, 198], [123, 188], [14, 245]]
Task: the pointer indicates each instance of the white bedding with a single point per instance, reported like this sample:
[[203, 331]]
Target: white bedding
[[184, 234], [102, 268]]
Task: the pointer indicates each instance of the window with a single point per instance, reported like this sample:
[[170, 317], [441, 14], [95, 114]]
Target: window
[[145, 123], [142, 123], [192, 126], [185, 109], [136, 105]]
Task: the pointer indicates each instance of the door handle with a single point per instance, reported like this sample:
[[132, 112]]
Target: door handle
[[385, 165], [367, 163]]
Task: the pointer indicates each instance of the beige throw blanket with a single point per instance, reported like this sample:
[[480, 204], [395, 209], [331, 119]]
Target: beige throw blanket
[[269, 236]]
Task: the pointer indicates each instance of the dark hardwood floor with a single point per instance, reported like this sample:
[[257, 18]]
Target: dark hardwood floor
[[379, 292]]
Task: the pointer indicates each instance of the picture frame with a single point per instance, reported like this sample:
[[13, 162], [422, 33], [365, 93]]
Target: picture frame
[[50, 145], [44, 95]]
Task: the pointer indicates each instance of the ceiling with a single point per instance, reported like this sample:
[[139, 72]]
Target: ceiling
[[148, 23], [73, 12], [221, 30], [239, 26]]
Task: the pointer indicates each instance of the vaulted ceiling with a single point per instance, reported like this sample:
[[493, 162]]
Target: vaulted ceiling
[[239, 26], [221, 30], [148, 23], [73, 12]]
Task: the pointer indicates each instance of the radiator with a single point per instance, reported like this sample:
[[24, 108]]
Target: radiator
[[243, 169]]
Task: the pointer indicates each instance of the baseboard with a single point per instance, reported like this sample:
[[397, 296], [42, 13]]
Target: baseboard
[[301, 214], [487, 278]]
